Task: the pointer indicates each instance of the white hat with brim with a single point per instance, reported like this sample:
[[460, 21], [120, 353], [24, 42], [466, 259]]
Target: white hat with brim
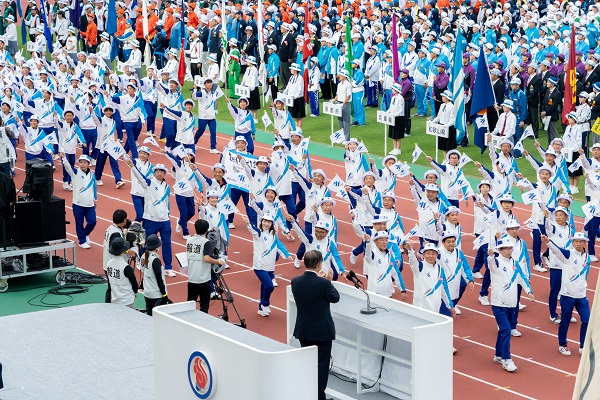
[[432, 187], [160, 167], [579, 236], [83, 157], [546, 168], [512, 224], [322, 225], [240, 139], [381, 235], [429, 246], [327, 200], [484, 182], [387, 158], [431, 172], [504, 243], [320, 171], [219, 166]]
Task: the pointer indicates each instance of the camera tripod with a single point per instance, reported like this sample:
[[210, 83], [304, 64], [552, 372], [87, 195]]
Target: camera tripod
[[224, 294]]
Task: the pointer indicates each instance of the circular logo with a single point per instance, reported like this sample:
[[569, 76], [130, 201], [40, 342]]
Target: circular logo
[[200, 375]]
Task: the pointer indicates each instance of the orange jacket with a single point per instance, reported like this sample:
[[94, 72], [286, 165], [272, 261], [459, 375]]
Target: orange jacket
[[193, 19], [121, 26], [91, 34], [139, 27], [169, 21], [152, 20]]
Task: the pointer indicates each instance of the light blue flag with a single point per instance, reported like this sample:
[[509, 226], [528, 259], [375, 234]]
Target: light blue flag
[[458, 87]]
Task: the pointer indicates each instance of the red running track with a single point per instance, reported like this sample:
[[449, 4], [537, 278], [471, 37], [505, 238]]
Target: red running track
[[543, 373]]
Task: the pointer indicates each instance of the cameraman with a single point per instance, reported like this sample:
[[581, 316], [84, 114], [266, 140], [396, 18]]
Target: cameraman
[[201, 254], [155, 290], [115, 230]]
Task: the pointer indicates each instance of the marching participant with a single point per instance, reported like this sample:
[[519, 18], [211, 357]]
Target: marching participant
[[283, 123], [69, 139], [85, 195], [157, 209], [456, 268], [506, 275], [143, 165], [207, 110], [381, 268], [576, 266], [107, 130]]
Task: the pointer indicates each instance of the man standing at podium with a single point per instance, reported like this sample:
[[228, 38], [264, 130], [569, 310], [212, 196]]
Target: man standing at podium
[[313, 293]]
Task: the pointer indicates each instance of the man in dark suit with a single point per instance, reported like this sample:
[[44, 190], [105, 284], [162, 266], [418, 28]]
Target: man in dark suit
[[533, 88], [313, 293], [551, 103], [498, 88], [286, 49]]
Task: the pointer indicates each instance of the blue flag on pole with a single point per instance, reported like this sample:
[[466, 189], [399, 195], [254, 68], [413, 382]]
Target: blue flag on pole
[[47, 33], [483, 97], [111, 21], [75, 13], [458, 88]]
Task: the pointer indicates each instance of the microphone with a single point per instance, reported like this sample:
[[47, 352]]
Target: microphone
[[354, 278]]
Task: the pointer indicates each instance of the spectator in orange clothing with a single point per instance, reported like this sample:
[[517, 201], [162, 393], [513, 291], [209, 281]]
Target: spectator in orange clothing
[[152, 21], [192, 17], [121, 23], [169, 21], [91, 35], [139, 29]]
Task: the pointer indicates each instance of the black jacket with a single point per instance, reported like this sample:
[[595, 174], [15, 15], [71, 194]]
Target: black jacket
[[533, 90], [551, 102], [287, 46], [313, 295], [215, 41], [8, 196], [249, 44]]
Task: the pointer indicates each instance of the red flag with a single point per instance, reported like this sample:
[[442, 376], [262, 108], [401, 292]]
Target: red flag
[[307, 49], [570, 98], [181, 71]]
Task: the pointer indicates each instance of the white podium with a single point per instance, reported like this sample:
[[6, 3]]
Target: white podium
[[197, 356], [405, 352]]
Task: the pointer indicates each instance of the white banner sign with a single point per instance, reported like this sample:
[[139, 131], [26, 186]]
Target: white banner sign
[[386, 118], [289, 100], [437, 130], [332, 109], [242, 91]]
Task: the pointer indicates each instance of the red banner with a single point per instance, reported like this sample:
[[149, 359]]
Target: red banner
[[570, 100]]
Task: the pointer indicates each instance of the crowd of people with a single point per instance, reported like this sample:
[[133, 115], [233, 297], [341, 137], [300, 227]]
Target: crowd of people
[[77, 110]]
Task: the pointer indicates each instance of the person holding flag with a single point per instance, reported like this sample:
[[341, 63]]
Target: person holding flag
[[295, 89], [70, 138], [358, 93], [107, 139], [37, 142], [574, 140]]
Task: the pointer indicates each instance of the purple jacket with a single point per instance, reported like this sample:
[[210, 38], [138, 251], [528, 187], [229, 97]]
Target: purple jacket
[[469, 72], [441, 81], [407, 87]]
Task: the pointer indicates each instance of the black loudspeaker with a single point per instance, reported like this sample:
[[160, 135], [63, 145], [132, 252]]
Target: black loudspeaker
[[39, 184], [38, 222]]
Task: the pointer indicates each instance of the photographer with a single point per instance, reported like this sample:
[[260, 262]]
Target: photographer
[[155, 290], [201, 253], [115, 230]]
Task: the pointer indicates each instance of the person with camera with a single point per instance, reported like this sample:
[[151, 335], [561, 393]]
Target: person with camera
[[201, 254], [115, 230], [155, 289], [121, 277]]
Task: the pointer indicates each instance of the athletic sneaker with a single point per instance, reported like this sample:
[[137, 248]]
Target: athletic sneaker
[[214, 151], [177, 228], [539, 268], [93, 163], [477, 275], [186, 237], [522, 306], [88, 240], [120, 184], [592, 258], [515, 333], [484, 300], [353, 258], [555, 320], [509, 365], [274, 282], [297, 262], [66, 186], [231, 225], [266, 309], [457, 310], [580, 350], [262, 313], [564, 351], [170, 273], [498, 359], [99, 183], [85, 245], [573, 320]]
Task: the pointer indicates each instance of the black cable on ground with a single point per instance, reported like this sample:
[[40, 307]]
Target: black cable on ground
[[65, 291]]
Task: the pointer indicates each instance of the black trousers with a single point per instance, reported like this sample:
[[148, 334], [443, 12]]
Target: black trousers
[[201, 291], [324, 355], [534, 119]]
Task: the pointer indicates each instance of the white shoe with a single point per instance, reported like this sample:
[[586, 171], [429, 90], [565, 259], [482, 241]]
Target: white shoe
[[150, 133], [170, 273], [539, 268], [454, 351], [555, 320], [391, 153], [93, 163], [88, 240], [457, 310], [66, 186], [593, 258], [353, 258], [85, 245], [573, 320], [120, 184], [297, 263], [262, 313], [564, 351], [99, 183], [214, 151], [515, 333], [574, 190], [580, 350], [498, 359], [186, 237], [477, 275], [484, 300], [509, 365], [398, 152], [522, 306], [177, 228], [231, 225], [274, 282]]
